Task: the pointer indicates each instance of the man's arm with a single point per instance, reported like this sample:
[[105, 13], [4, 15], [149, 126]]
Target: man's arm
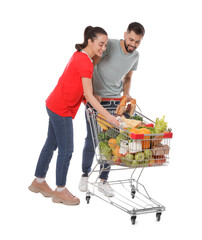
[[126, 85]]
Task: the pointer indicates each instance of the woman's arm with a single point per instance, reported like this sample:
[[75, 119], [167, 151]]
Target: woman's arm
[[88, 92]]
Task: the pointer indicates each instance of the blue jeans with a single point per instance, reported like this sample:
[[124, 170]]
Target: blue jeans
[[89, 151], [60, 135]]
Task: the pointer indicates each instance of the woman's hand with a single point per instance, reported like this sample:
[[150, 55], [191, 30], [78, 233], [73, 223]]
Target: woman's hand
[[112, 119]]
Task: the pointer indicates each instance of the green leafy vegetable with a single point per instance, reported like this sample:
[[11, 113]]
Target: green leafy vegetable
[[120, 137], [105, 150], [103, 137], [137, 117], [152, 129], [111, 133], [160, 125]]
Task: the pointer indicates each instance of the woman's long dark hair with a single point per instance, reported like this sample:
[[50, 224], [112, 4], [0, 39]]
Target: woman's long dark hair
[[90, 33]]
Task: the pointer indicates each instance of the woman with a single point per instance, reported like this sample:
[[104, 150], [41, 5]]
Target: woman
[[62, 106]]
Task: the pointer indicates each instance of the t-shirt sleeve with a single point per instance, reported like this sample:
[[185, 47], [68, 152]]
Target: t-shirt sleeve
[[85, 67], [134, 67]]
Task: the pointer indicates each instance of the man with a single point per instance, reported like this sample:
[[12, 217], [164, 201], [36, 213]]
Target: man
[[112, 76]]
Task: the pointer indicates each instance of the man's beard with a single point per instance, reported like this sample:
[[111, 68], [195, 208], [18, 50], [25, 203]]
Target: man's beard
[[126, 47]]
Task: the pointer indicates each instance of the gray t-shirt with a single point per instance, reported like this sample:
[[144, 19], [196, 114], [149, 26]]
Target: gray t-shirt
[[113, 66]]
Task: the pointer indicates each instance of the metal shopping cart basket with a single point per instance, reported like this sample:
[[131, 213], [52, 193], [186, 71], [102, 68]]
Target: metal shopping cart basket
[[124, 149]]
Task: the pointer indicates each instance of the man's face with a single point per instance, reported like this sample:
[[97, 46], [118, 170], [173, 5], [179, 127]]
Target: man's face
[[131, 41]]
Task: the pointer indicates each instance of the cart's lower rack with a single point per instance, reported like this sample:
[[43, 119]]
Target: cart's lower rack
[[133, 200], [116, 162]]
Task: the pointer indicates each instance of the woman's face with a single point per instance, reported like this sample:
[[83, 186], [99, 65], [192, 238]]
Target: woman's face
[[99, 44]]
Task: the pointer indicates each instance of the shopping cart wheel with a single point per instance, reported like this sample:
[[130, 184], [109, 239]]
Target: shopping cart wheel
[[133, 218], [88, 199], [158, 216], [133, 193]]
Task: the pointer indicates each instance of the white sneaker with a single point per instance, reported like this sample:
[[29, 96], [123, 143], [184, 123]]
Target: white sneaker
[[105, 188], [83, 184]]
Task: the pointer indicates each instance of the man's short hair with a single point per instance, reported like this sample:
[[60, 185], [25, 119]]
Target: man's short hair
[[137, 28]]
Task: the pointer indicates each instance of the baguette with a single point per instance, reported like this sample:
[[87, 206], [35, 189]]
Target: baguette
[[132, 107], [121, 108]]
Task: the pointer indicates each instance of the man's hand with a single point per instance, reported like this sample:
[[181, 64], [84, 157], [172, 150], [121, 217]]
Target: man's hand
[[129, 98]]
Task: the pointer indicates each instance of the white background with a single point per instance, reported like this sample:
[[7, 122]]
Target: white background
[[37, 40]]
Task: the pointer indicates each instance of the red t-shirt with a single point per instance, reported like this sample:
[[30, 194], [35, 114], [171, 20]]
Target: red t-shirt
[[67, 96]]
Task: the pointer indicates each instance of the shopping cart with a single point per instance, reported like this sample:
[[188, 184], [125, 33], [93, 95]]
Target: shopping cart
[[124, 149]]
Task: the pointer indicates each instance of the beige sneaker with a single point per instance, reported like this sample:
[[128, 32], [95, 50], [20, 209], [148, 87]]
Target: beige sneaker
[[43, 188], [65, 197]]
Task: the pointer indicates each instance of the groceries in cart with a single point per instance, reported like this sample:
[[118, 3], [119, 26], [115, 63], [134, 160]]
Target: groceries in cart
[[136, 142]]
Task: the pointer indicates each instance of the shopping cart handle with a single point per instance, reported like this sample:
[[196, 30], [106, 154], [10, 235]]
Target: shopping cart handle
[[168, 135], [137, 136]]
